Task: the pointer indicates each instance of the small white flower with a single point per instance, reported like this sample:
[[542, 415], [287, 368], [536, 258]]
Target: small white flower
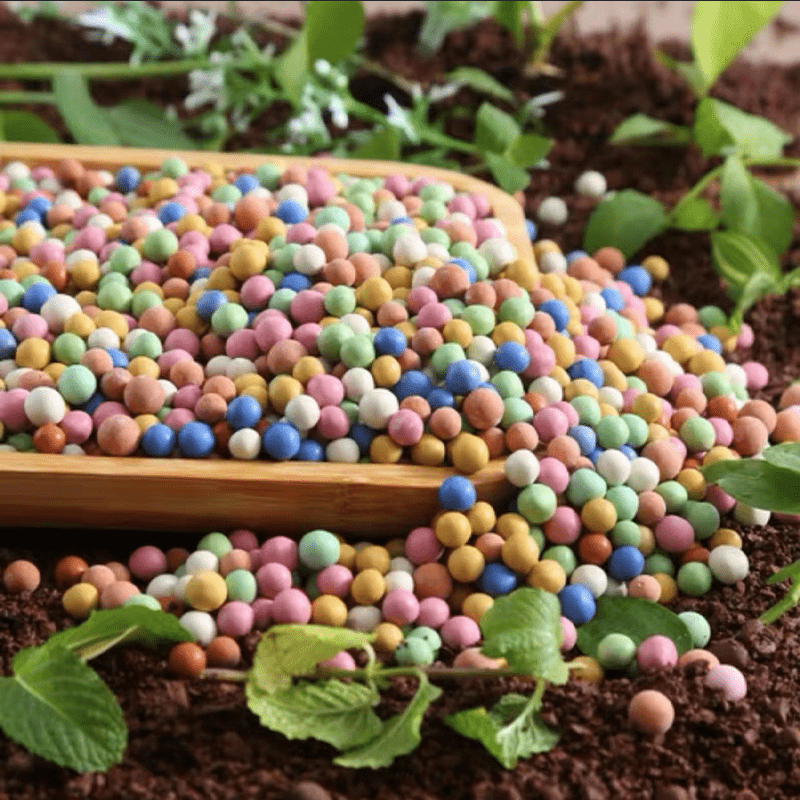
[[338, 112], [398, 117], [103, 19], [535, 106], [240, 119], [197, 35], [205, 86], [322, 67], [443, 91]]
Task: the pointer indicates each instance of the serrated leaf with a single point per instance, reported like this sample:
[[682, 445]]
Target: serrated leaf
[[786, 455], [495, 130], [628, 221], [510, 177], [22, 126], [740, 211], [736, 257], [720, 30], [82, 116], [287, 651], [694, 214], [333, 29], [635, 617], [720, 129], [758, 285], [141, 123], [383, 144], [129, 624], [58, 708], [776, 214], [480, 81], [641, 129], [332, 711], [399, 734], [757, 483], [528, 149], [524, 627], [510, 730]]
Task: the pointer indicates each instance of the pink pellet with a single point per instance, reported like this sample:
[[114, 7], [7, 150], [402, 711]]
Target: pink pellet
[[460, 632], [281, 550], [335, 580], [291, 606], [333, 423], [553, 473], [400, 607], [262, 612], [729, 680], [674, 534], [342, 660], [235, 619], [433, 612], [272, 579], [550, 422], [422, 546], [655, 653], [405, 427], [568, 634], [256, 291], [146, 562]]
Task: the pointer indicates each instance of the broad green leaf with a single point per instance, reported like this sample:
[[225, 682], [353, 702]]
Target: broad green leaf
[[641, 129], [720, 30], [635, 617], [445, 16], [495, 130], [510, 14], [688, 70], [510, 730], [291, 69], [758, 285], [333, 29], [383, 144], [528, 149], [399, 735], [287, 651], [786, 455], [524, 627], [59, 708], [736, 257], [777, 216], [129, 624], [720, 129], [81, 115], [141, 123], [740, 210], [332, 711], [694, 214], [481, 81], [758, 484], [22, 126], [510, 177], [628, 220]]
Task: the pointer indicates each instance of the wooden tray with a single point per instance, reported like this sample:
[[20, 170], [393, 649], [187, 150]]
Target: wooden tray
[[369, 500]]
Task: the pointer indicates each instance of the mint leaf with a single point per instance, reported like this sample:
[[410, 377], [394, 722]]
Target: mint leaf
[[82, 116], [524, 627], [333, 711], [287, 651], [628, 220], [694, 214], [641, 129], [383, 144], [786, 455], [758, 484], [721, 30], [720, 128], [495, 130], [481, 81], [333, 29], [776, 214], [528, 149], [740, 210], [399, 735], [510, 177], [129, 624], [510, 730], [736, 257], [758, 285], [635, 617], [22, 126], [141, 123], [58, 708]]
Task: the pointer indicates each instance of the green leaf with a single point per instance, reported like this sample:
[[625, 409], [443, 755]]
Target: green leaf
[[524, 628], [688, 70], [635, 617], [333, 29], [510, 730], [481, 81], [59, 708], [332, 711], [399, 734], [736, 257], [445, 16], [740, 210], [720, 128], [383, 144], [786, 455], [641, 129], [720, 30], [495, 130], [757, 483], [777, 216], [129, 624], [694, 214], [758, 285], [287, 651], [628, 220], [528, 149], [83, 118], [291, 69], [511, 15], [510, 177], [141, 123], [22, 126]]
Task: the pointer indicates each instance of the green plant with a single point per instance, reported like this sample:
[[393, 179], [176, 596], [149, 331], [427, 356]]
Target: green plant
[[771, 484], [233, 81], [753, 225]]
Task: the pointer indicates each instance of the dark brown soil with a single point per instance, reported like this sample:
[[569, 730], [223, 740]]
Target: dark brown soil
[[193, 740]]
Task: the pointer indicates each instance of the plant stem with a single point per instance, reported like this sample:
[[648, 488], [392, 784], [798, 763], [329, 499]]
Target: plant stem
[[114, 71], [27, 97]]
